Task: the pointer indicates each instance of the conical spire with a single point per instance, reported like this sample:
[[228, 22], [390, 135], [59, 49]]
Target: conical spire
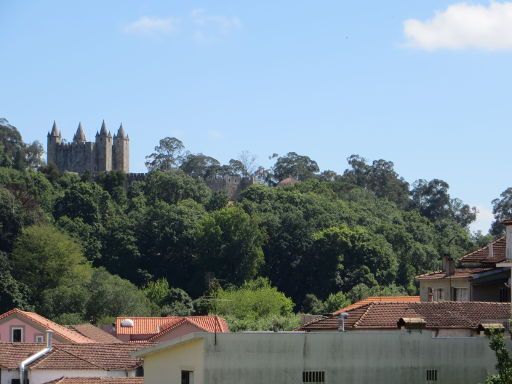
[[120, 132], [103, 130], [79, 135], [55, 130]]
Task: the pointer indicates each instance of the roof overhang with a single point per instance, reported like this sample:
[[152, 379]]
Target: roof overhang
[[170, 344]]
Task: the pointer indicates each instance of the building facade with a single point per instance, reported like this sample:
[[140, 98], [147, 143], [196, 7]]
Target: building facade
[[106, 153], [405, 356]]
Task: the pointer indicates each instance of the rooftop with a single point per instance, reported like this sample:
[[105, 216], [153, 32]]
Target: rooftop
[[492, 253], [94, 333], [44, 323], [152, 326], [378, 299], [73, 356], [460, 273], [448, 314]]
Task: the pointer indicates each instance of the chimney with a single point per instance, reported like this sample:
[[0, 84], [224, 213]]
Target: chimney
[[49, 337], [508, 239], [448, 265]]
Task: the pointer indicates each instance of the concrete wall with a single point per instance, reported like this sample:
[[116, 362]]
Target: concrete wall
[[445, 284], [351, 357], [166, 366]]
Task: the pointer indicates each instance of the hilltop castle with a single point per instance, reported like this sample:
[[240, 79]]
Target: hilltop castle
[[107, 153]]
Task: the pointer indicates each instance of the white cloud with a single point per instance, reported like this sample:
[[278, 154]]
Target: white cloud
[[208, 27], [464, 26], [152, 26]]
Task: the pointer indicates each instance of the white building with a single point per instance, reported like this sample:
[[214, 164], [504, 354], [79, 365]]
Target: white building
[[381, 356]]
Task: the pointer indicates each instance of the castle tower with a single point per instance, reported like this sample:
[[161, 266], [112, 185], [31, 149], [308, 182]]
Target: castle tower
[[120, 151], [54, 139], [79, 135], [103, 147]]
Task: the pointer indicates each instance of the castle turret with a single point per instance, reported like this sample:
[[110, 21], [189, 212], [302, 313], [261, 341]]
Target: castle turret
[[54, 139], [79, 135], [103, 149], [120, 151]]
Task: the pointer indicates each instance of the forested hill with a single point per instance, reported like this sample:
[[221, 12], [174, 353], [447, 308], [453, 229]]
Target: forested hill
[[74, 249]]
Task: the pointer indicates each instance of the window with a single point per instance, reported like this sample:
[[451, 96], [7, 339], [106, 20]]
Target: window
[[313, 377], [431, 375], [15, 381], [187, 377], [430, 294], [16, 335], [439, 294], [39, 339]]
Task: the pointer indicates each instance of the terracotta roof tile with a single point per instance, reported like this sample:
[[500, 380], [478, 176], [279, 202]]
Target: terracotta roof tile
[[152, 326], [484, 254], [97, 380], [73, 356], [449, 314], [460, 273], [378, 299], [94, 333], [59, 330]]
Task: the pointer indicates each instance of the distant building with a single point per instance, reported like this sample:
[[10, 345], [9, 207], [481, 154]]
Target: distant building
[[158, 329], [477, 276], [232, 185], [105, 154]]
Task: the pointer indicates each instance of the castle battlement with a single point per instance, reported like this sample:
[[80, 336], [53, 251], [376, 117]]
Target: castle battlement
[[106, 153]]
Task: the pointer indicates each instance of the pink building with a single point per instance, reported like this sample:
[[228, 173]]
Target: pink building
[[17, 326]]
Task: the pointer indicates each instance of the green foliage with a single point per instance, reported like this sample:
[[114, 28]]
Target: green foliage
[[362, 291], [230, 244], [502, 210], [44, 258], [294, 165], [504, 364], [255, 305], [112, 296], [168, 155]]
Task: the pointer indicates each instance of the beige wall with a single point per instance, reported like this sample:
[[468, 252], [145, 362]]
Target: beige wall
[[350, 357], [445, 284], [166, 366]]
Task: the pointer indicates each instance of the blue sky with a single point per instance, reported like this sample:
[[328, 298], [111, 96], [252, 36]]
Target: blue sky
[[425, 84]]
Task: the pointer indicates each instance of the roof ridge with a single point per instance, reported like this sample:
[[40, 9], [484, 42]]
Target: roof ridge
[[484, 247], [168, 329], [369, 305]]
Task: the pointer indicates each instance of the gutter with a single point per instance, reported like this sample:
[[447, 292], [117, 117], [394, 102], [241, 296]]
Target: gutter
[[29, 360]]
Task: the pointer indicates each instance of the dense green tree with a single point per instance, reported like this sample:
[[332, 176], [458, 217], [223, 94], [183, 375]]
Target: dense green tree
[[44, 258], [300, 167], [112, 296], [229, 245], [169, 154], [200, 166], [175, 186], [13, 294], [255, 305], [502, 210], [432, 199], [380, 177]]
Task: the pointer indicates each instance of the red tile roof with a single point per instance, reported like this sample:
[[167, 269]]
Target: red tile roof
[[460, 273], [73, 356], [152, 326], [484, 254], [97, 380], [44, 323], [94, 333], [379, 299], [449, 314]]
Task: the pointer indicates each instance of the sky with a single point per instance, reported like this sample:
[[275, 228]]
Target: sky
[[425, 84]]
